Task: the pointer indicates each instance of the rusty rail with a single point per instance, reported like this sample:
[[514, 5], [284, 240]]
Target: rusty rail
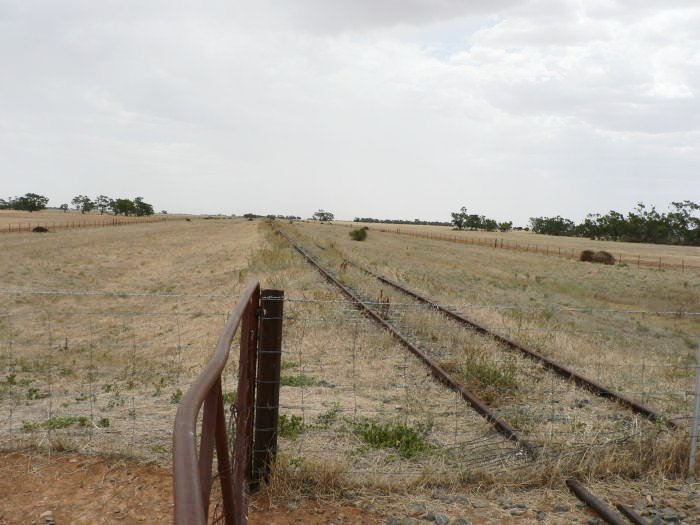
[[192, 477], [439, 373], [548, 363], [606, 513], [631, 514]]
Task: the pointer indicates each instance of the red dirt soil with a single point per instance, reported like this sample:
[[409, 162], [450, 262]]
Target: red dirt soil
[[92, 490]]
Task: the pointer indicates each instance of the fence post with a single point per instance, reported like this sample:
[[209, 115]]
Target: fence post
[[268, 385], [695, 421]]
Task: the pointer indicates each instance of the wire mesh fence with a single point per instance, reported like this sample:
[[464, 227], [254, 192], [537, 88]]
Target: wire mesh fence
[[355, 406]]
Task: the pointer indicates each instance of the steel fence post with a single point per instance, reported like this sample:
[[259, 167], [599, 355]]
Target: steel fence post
[[695, 421], [268, 384]]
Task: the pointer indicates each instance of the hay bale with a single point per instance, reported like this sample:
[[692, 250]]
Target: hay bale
[[40, 229], [586, 256], [604, 257]]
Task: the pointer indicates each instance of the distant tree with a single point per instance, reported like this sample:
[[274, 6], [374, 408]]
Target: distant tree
[[323, 216], [102, 203], [30, 202], [459, 218], [505, 226], [122, 207], [251, 216], [83, 203], [552, 225], [142, 208], [63, 207], [163, 212], [462, 220], [5, 204]]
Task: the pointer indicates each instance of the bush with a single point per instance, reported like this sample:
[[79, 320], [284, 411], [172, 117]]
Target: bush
[[586, 256], [290, 427], [604, 257], [601, 257], [358, 235]]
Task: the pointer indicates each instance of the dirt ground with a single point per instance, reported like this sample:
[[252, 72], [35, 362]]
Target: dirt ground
[[79, 489], [82, 489]]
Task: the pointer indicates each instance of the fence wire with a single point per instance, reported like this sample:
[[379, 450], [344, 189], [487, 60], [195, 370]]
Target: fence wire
[[354, 403]]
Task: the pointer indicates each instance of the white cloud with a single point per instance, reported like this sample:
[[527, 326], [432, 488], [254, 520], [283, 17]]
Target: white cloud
[[365, 108]]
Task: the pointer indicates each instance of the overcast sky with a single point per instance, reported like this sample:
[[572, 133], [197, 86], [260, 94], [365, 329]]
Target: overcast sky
[[382, 108]]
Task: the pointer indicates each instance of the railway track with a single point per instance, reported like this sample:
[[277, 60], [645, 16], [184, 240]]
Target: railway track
[[438, 372], [606, 513], [548, 363]]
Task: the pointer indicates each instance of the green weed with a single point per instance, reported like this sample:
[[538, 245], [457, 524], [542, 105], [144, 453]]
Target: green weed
[[408, 441], [290, 426]]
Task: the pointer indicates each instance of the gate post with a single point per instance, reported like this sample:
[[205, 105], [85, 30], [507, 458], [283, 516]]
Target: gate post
[[268, 385]]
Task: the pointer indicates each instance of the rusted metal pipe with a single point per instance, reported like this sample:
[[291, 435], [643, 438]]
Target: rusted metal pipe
[[188, 487], [559, 369], [441, 375], [606, 513]]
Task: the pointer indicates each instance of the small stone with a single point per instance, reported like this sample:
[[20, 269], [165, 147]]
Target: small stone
[[429, 516], [409, 521], [417, 508], [592, 521], [478, 504], [504, 502], [517, 512], [561, 508], [292, 506], [393, 521], [541, 516], [441, 519], [460, 521]]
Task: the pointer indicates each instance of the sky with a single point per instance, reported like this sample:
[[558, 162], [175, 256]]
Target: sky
[[374, 108]]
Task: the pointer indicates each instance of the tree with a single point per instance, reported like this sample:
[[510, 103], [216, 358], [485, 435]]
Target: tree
[[505, 226], [323, 216], [459, 218], [142, 208], [552, 225], [83, 203], [30, 202], [63, 207], [6, 204], [102, 203], [122, 207]]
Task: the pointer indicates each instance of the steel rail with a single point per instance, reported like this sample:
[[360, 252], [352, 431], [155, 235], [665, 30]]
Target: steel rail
[[191, 494], [439, 373], [631, 514], [559, 369], [606, 513]]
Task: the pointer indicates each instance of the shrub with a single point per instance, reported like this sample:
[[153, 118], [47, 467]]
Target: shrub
[[601, 257], [40, 229], [586, 256], [290, 427], [604, 257], [358, 235]]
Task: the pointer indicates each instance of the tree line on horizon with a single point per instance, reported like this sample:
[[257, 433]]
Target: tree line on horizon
[[32, 202], [680, 225]]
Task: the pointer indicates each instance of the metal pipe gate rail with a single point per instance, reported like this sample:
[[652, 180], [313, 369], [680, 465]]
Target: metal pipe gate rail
[[259, 315]]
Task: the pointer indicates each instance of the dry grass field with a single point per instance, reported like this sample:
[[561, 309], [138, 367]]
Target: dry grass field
[[13, 221], [629, 251], [97, 366]]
